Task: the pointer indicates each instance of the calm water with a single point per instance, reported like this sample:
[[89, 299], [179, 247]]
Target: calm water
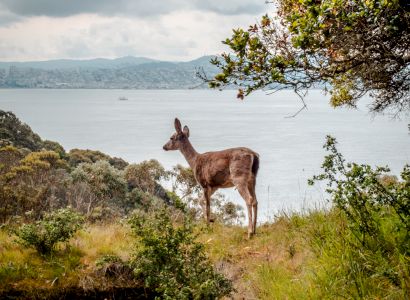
[[290, 148]]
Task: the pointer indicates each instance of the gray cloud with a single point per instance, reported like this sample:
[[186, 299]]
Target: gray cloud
[[62, 8], [7, 17]]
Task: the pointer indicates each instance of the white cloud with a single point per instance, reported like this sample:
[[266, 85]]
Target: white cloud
[[179, 35]]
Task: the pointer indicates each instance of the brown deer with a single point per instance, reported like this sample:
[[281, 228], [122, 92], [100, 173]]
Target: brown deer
[[220, 169]]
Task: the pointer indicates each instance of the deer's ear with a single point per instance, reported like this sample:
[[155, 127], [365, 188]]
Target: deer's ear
[[186, 131], [177, 124]]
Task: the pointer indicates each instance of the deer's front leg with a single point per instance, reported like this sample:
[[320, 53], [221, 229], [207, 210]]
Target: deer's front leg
[[207, 199]]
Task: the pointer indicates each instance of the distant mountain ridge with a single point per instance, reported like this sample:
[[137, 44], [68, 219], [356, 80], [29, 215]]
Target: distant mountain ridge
[[124, 72], [79, 63]]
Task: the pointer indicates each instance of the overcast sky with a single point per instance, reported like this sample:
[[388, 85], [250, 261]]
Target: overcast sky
[[81, 29]]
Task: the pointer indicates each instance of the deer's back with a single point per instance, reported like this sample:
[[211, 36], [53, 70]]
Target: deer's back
[[217, 168]]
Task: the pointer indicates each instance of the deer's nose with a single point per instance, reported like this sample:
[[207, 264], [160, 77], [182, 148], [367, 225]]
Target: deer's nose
[[165, 147]]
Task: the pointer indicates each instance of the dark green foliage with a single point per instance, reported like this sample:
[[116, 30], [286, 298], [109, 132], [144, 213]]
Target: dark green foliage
[[161, 193], [172, 262], [114, 267], [107, 259], [56, 147], [138, 199], [354, 47], [118, 163], [55, 227], [14, 132], [376, 240], [78, 156]]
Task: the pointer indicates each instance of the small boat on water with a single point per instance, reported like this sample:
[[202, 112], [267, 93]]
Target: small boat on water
[[122, 98]]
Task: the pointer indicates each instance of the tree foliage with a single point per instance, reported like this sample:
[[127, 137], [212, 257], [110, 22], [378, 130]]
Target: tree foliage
[[353, 47]]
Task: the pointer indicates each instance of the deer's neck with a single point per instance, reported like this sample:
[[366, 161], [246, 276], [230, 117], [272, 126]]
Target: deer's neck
[[190, 154]]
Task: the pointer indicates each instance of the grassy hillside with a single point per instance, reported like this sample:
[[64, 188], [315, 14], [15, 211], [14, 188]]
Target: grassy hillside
[[295, 257]]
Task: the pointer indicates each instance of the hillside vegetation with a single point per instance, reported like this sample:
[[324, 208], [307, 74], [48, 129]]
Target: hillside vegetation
[[86, 225]]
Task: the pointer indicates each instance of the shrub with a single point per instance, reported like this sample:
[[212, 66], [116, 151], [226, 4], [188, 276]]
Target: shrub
[[373, 251], [57, 226], [145, 175], [30, 183], [104, 185], [172, 262], [138, 199]]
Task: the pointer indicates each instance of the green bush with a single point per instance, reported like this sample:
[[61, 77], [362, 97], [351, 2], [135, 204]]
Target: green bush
[[371, 249], [103, 186], [145, 175], [138, 199], [172, 262], [57, 226]]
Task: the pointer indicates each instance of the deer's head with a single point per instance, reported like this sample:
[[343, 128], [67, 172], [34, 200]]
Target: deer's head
[[178, 138]]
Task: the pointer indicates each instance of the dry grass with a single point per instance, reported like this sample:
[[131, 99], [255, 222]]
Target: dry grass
[[103, 239], [271, 263], [71, 266]]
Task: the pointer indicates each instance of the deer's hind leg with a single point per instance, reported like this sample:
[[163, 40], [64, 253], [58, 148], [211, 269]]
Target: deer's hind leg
[[251, 187], [245, 192]]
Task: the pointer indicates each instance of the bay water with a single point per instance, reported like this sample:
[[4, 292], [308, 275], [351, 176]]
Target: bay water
[[290, 148]]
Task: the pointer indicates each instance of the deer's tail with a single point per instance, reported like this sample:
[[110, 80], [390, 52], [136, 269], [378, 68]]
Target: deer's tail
[[255, 164]]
